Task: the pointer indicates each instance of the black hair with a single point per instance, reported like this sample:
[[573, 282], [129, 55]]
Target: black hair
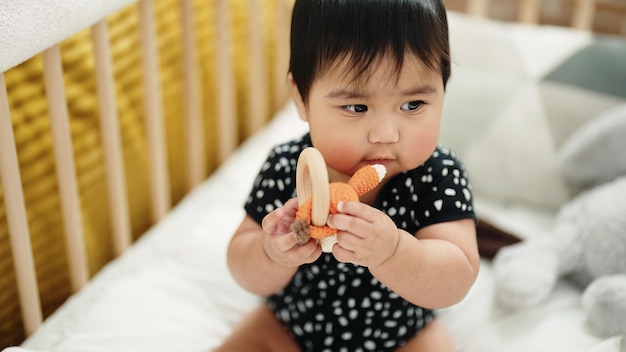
[[361, 31]]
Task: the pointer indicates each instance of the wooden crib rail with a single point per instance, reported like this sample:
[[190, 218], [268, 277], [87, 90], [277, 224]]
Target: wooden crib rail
[[226, 96], [111, 139], [582, 13], [529, 11], [66, 171], [193, 96], [265, 91], [16, 217], [153, 111]]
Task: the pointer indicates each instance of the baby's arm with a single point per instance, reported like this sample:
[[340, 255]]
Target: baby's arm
[[262, 259], [433, 269]]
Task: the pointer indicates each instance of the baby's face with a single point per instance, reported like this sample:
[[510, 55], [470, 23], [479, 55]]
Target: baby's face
[[377, 118]]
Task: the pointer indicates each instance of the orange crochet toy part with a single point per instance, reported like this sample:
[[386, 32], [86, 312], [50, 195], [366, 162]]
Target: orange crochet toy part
[[363, 181]]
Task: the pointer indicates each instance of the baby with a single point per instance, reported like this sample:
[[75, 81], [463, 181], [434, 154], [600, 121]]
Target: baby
[[368, 76]]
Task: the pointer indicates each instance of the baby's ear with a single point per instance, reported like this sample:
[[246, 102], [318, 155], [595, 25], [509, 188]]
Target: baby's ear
[[297, 98]]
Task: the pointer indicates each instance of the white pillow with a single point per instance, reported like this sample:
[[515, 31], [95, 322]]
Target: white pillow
[[514, 158], [516, 94], [494, 115]]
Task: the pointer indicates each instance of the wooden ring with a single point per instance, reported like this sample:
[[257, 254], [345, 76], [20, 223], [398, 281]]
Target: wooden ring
[[312, 180]]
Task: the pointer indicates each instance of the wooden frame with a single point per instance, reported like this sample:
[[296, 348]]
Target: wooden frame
[[529, 11], [583, 12]]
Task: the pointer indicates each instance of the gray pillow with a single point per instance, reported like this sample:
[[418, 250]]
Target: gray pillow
[[596, 152]]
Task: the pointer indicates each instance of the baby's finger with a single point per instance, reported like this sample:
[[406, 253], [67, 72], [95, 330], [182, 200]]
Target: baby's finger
[[271, 220], [311, 250], [283, 243], [342, 254], [348, 223], [348, 241], [358, 209], [291, 205]]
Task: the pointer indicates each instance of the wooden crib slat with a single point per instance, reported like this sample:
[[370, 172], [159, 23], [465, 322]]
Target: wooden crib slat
[[529, 11], [584, 12], [479, 8], [257, 86], [153, 107], [196, 164], [19, 234], [225, 83], [66, 171], [281, 53], [111, 139]]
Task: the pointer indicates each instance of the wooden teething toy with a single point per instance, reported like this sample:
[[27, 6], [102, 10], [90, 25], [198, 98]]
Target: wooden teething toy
[[317, 198]]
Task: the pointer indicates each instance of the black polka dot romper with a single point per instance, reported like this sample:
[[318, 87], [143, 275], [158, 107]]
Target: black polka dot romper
[[333, 306]]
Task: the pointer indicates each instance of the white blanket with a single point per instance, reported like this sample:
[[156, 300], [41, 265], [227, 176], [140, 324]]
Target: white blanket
[[172, 290]]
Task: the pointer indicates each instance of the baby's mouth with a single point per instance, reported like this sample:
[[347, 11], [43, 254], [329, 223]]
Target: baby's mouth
[[381, 161]]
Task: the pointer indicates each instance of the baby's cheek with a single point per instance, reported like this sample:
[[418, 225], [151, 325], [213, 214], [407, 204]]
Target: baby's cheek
[[341, 154], [422, 149]]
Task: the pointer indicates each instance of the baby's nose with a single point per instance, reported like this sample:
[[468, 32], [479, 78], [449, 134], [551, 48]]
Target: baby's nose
[[384, 132]]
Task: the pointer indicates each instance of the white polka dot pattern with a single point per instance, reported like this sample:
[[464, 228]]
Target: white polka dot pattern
[[329, 306], [332, 306]]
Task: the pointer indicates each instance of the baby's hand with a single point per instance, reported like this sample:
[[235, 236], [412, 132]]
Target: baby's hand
[[366, 236], [280, 244]]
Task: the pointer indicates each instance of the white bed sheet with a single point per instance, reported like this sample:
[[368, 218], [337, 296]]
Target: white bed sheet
[[172, 291]]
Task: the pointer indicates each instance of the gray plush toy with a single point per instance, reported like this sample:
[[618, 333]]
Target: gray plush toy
[[588, 237]]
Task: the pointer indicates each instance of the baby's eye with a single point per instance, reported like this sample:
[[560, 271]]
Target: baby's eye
[[356, 108], [412, 105]]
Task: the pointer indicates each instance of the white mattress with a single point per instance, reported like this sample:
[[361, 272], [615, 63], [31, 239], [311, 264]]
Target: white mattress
[[172, 291]]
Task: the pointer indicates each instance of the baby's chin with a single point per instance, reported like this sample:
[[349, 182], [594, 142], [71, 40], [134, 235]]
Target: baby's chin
[[335, 175]]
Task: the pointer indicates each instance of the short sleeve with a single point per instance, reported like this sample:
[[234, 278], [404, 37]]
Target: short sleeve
[[444, 189], [276, 182]]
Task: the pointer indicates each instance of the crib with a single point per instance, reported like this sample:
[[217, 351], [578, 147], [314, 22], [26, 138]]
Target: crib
[[130, 132]]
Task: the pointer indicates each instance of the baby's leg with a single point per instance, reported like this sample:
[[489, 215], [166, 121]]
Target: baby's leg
[[433, 337], [259, 331]]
